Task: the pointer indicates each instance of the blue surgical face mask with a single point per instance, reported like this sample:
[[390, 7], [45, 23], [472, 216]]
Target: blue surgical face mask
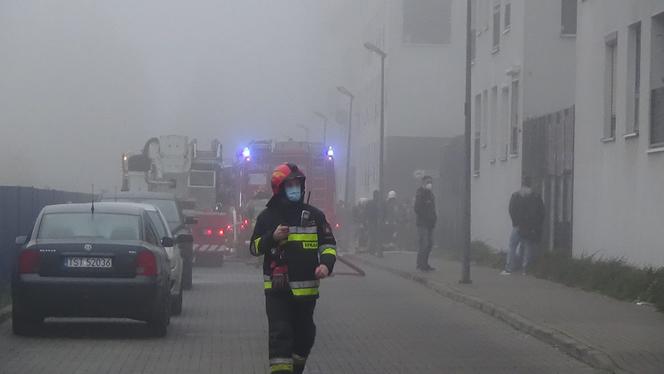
[[293, 193]]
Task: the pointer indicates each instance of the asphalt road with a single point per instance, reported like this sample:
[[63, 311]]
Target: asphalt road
[[376, 324]]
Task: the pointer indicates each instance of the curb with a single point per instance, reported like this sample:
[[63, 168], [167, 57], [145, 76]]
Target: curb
[[5, 314], [562, 341]]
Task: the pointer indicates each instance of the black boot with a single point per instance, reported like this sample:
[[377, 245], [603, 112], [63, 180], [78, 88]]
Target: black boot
[[298, 364]]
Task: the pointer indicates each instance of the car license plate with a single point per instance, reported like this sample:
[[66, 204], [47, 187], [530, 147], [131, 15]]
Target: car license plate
[[89, 262]]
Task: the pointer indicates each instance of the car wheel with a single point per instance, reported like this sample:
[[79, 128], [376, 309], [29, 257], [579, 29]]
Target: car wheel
[[161, 316], [176, 306], [25, 323]]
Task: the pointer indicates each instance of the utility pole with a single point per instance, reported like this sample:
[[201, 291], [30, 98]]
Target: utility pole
[[465, 269], [381, 170]]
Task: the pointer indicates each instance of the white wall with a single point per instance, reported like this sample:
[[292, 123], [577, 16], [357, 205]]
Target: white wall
[[492, 188], [618, 197], [424, 87], [425, 83], [545, 64], [549, 74]]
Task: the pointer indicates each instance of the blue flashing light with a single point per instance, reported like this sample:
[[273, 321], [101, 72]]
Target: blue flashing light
[[330, 152], [246, 153]]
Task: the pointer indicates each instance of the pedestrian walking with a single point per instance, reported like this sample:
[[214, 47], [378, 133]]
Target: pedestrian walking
[[526, 210], [299, 250], [425, 211]]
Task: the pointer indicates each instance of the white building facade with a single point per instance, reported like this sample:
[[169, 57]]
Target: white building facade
[[619, 140], [425, 45], [523, 69]]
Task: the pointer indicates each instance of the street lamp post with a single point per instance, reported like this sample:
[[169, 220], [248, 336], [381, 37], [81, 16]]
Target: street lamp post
[[347, 93], [381, 175], [381, 154], [465, 269], [324, 118]]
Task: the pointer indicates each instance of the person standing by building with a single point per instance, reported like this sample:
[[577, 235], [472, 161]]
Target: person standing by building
[[299, 250], [425, 211], [527, 213]]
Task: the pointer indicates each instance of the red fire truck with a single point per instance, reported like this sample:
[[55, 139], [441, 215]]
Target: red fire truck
[[213, 238], [256, 161]]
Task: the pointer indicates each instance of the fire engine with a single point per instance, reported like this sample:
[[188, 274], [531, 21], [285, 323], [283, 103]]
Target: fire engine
[[256, 161], [200, 182], [176, 165]]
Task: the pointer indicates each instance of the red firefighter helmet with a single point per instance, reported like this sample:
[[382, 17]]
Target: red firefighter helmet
[[283, 173]]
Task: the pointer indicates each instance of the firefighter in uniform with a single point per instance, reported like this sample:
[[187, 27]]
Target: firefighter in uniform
[[299, 250]]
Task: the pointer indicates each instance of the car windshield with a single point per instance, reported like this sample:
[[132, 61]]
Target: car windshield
[[167, 207], [158, 223], [86, 225]]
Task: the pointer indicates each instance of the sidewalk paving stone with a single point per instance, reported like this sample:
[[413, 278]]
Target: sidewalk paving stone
[[622, 335]]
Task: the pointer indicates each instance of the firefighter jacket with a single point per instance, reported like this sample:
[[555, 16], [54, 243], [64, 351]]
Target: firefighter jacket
[[310, 243]]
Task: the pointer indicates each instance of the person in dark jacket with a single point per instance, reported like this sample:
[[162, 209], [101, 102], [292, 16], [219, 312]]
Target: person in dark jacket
[[374, 216], [527, 213], [425, 211], [299, 250]]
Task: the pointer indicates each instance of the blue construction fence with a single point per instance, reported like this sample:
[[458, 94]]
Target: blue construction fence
[[19, 207]]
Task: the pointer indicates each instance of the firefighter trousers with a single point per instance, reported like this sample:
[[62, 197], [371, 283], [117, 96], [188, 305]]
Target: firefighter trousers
[[291, 332]]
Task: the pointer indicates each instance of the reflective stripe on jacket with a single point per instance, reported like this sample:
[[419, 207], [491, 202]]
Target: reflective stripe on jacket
[[309, 244]]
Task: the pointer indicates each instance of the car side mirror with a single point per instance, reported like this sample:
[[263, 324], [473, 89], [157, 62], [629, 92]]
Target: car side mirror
[[167, 242], [21, 240], [190, 220], [184, 239]]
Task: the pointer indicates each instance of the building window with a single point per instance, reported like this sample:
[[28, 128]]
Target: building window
[[473, 31], [610, 73], [504, 123], [568, 17], [485, 118], [657, 82], [508, 16], [473, 45], [427, 21], [634, 78], [514, 119], [202, 178], [478, 129], [496, 28], [483, 15], [494, 125]]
